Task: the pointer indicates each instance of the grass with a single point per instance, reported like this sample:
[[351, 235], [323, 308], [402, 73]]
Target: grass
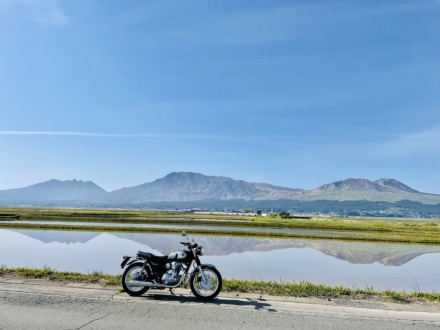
[[307, 289], [51, 274], [302, 289]]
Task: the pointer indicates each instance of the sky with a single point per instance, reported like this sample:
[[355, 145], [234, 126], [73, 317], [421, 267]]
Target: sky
[[292, 93]]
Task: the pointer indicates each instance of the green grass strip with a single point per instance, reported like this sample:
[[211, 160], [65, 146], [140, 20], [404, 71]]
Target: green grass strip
[[53, 275], [287, 289]]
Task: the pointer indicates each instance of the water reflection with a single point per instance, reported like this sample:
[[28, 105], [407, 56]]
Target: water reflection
[[415, 267]]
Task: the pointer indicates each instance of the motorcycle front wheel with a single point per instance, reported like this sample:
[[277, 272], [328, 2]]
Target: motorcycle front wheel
[[134, 272], [210, 288]]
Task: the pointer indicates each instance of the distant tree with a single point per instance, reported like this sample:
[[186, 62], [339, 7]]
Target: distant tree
[[248, 211], [284, 214], [258, 212]]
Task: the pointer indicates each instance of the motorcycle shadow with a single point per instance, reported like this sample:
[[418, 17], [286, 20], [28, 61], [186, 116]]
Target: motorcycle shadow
[[258, 304]]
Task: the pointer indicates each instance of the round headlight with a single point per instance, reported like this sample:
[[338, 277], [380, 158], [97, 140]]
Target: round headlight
[[201, 250]]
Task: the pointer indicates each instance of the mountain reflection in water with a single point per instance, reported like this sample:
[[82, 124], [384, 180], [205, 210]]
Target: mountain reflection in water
[[358, 264]]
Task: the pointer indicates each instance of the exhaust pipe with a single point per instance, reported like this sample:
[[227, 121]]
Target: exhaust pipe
[[153, 285], [140, 283]]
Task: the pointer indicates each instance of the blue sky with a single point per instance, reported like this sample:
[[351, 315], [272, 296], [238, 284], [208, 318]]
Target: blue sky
[[292, 93]]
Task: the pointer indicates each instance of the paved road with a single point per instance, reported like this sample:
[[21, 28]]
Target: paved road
[[39, 304]]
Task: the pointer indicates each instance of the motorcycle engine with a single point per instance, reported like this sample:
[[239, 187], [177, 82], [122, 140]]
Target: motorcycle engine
[[171, 277]]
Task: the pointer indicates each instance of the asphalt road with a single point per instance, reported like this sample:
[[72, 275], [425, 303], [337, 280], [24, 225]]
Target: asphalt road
[[40, 304]]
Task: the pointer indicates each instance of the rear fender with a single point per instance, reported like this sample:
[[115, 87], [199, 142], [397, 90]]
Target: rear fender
[[130, 260], [140, 262], [125, 259]]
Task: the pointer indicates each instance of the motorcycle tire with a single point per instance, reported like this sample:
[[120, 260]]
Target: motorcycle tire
[[206, 290], [137, 272]]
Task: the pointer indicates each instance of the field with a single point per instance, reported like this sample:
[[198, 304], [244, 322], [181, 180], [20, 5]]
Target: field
[[352, 229], [372, 230]]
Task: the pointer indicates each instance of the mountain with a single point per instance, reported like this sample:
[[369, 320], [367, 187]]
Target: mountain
[[185, 186], [188, 190], [388, 190], [381, 185], [55, 190], [394, 186], [188, 186]]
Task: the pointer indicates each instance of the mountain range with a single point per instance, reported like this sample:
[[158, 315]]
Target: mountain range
[[194, 188]]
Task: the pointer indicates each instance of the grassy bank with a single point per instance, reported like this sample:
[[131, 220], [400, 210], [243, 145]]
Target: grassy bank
[[370, 230], [302, 289]]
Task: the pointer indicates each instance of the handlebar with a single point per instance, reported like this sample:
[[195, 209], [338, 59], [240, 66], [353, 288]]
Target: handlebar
[[189, 244]]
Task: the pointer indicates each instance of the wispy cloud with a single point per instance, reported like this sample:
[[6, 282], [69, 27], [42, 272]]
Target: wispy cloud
[[426, 142], [115, 135], [284, 23], [44, 12]]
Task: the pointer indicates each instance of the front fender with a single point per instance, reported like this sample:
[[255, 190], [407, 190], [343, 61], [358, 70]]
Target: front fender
[[204, 266], [208, 266]]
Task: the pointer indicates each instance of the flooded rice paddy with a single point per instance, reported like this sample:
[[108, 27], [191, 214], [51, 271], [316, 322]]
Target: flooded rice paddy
[[380, 266]]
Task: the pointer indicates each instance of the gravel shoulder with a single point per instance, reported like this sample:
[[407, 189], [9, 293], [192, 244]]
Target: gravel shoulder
[[27, 303]]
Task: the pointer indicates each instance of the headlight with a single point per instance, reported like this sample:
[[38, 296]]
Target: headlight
[[200, 250]]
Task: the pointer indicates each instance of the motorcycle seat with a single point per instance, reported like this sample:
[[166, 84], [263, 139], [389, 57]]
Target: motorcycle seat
[[152, 257]]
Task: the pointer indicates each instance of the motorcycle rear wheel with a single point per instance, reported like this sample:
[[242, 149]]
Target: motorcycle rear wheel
[[206, 290], [134, 272]]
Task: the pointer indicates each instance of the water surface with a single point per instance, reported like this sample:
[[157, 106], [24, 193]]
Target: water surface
[[361, 265]]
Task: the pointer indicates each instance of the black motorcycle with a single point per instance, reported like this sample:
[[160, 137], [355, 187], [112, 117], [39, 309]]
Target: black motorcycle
[[147, 271]]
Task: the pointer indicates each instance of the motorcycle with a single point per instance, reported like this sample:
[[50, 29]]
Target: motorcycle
[[147, 271]]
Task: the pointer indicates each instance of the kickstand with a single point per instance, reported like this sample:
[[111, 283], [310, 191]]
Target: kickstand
[[172, 291]]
